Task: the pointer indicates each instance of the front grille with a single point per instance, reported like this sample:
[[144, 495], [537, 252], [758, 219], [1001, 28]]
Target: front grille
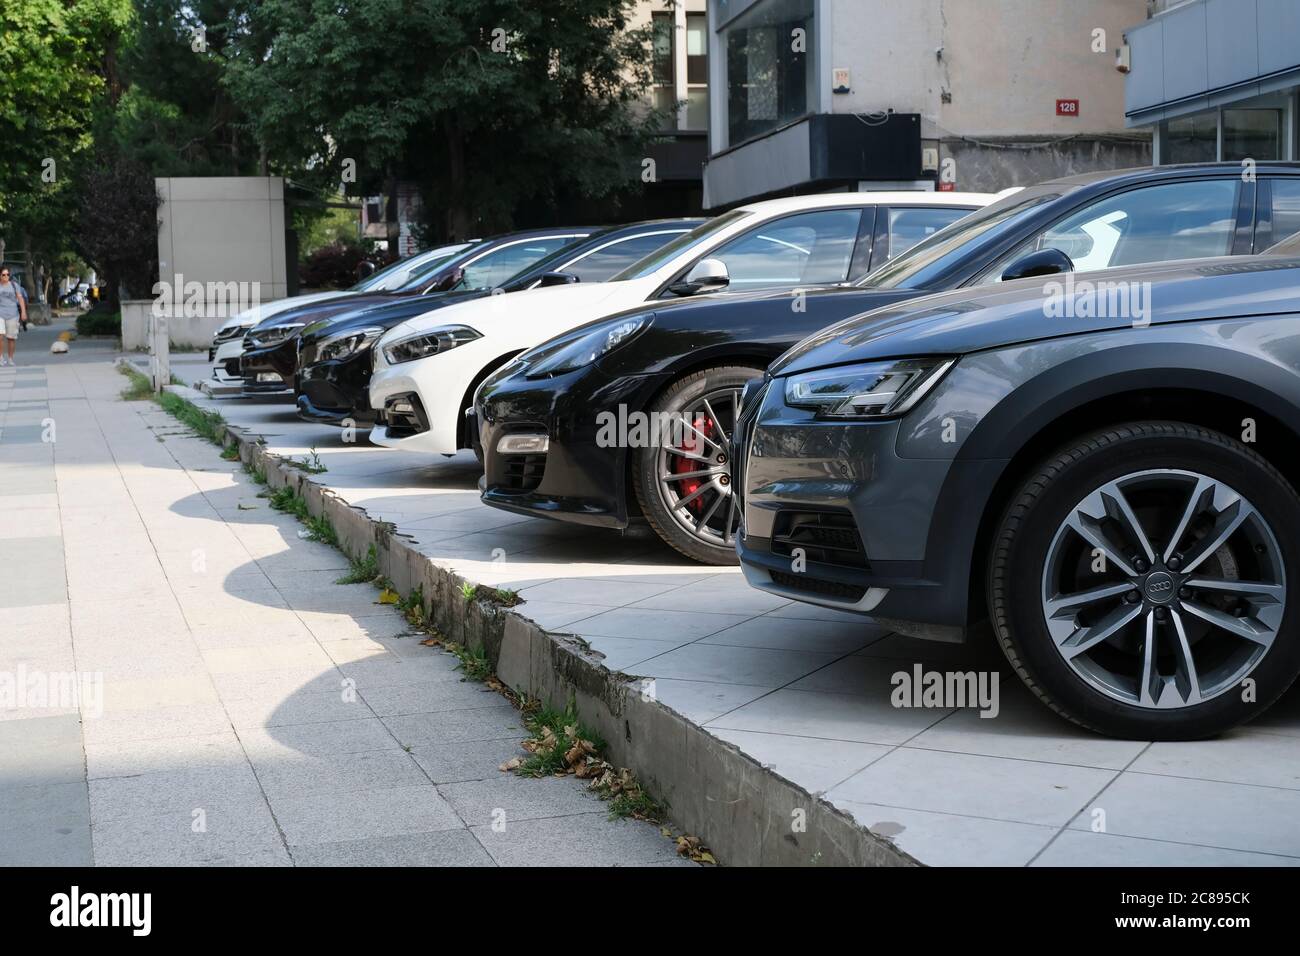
[[832, 589], [524, 472], [825, 537]]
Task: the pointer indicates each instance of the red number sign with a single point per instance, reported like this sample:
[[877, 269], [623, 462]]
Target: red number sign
[[1067, 107]]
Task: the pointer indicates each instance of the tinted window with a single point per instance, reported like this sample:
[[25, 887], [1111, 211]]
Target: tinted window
[[500, 264], [1190, 220], [1286, 208], [397, 274], [907, 227], [933, 257], [807, 249], [681, 245], [617, 256]]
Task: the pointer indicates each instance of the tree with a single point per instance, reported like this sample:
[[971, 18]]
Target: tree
[[57, 57], [117, 224], [485, 103]]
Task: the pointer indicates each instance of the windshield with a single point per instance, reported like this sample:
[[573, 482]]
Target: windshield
[[400, 272], [419, 275], [932, 256], [565, 252], [683, 243]]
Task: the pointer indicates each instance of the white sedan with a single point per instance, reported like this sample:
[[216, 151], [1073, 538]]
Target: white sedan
[[427, 368]]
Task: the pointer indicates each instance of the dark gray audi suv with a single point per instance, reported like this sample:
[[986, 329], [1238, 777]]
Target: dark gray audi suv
[[1103, 467]]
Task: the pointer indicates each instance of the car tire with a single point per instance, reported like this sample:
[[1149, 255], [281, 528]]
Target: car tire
[[1200, 676], [686, 396]]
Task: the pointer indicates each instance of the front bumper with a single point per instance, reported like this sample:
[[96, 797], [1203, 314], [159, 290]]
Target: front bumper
[[280, 360], [577, 479], [832, 515], [225, 357], [336, 392]]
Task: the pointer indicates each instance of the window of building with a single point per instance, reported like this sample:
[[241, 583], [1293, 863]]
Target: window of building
[[770, 80], [1252, 134], [697, 71], [1190, 139], [664, 49]]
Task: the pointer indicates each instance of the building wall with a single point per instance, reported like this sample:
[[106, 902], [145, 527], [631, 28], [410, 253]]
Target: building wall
[[984, 77]]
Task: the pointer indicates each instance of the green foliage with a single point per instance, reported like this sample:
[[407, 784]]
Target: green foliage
[[289, 501], [140, 389], [100, 321], [553, 115], [364, 570], [208, 425]]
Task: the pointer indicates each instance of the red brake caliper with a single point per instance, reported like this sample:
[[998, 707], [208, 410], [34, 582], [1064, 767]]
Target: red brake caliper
[[696, 445]]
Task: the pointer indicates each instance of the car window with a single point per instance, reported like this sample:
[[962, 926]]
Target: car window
[[400, 272], [807, 249], [603, 263], [1189, 220], [495, 267], [908, 226], [1286, 208], [932, 258], [698, 236]]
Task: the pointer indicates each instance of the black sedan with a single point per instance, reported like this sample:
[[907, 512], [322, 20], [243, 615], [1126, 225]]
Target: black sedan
[[334, 354], [629, 418], [270, 358]]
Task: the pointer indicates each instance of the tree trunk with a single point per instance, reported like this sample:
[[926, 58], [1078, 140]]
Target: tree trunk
[[458, 216]]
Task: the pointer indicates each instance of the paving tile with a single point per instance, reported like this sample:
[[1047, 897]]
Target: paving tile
[[334, 817], [830, 716], [794, 635], [292, 774], [429, 698], [241, 834], [597, 592], [439, 848], [814, 764], [481, 802], [163, 754], [46, 825], [492, 722], [945, 839], [653, 623], [339, 737], [626, 654], [702, 701], [576, 841], [475, 760], [179, 791], [733, 596], [1019, 791], [1241, 756], [734, 665], [1232, 816], [1085, 848]]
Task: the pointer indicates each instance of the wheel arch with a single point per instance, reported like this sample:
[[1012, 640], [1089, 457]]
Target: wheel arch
[[1219, 400], [462, 435]]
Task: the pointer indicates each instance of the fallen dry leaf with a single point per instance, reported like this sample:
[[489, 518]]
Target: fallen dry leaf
[[513, 763]]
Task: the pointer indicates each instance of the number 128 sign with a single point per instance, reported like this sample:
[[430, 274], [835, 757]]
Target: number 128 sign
[[1067, 107]]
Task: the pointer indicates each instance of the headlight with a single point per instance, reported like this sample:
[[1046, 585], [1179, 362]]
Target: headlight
[[571, 353], [229, 332], [346, 343], [429, 343], [261, 338], [873, 390]]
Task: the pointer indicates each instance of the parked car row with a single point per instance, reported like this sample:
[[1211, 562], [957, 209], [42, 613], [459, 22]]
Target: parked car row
[[1065, 410]]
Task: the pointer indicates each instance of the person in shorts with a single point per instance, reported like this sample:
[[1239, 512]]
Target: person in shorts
[[13, 312]]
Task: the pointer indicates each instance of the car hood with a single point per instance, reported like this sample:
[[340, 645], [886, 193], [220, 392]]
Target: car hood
[[384, 315], [250, 317], [315, 311], [1027, 310], [549, 310]]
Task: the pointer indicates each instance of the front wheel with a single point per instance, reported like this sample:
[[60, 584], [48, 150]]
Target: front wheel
[[682, 479], [1141, 582]]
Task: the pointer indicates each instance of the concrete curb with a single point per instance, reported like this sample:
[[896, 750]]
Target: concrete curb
[[747, 814]]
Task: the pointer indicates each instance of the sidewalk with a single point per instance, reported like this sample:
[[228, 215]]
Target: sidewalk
[[253, 712], [807, 692]]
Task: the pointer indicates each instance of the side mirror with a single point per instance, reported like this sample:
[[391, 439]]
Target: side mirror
[[1044, 262], [556, 278], [708, 275], [365, 269], [449, 281]]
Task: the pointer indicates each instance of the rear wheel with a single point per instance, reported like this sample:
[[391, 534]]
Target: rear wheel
[[683, 481], [1140, 579]]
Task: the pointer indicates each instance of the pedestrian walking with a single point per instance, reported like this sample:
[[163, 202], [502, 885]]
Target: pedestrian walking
[[13, 312]]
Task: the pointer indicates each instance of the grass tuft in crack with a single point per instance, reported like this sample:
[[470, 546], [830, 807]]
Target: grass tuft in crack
[[207, 425], [311, 463], [364, 570]]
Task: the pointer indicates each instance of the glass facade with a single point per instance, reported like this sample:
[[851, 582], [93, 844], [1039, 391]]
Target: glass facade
[[770, 79], [670, 45], [1231, 134]]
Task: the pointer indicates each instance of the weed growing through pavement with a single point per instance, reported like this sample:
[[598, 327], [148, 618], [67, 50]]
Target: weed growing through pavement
[[311, 463], [140, 389], [231, 453], [207, 425], [364, 570]]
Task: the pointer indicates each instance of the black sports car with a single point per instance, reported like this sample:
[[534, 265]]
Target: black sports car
[[270, 358], [630, 417], [334, 354]]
